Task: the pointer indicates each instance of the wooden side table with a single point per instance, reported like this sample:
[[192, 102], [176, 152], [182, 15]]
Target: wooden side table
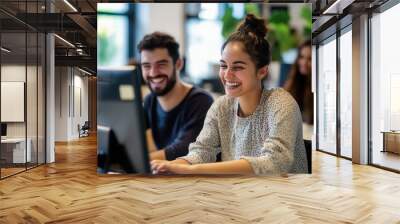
[[391, 141]]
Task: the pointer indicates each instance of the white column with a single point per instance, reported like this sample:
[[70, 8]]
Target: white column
[[50, 99], [360, 90]]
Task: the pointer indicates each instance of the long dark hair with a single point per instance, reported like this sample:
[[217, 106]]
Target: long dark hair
[[300, 87]]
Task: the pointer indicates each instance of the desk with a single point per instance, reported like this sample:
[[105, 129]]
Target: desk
[[391, 141], [16, 147]]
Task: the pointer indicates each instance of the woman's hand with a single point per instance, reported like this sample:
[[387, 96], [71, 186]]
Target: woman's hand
[[165, 167], [181, 166]]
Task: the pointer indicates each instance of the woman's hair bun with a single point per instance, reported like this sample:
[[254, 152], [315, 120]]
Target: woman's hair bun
[[254, 25]]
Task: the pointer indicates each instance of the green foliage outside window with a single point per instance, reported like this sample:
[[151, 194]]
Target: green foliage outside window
[[229, 22], [107, 47], [306, 14], [281, 35]]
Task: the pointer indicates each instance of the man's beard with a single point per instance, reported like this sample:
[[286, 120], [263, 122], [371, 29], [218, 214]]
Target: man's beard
[[168, 87]]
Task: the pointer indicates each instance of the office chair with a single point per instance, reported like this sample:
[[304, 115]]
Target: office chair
[[84, 130], [308, 146]]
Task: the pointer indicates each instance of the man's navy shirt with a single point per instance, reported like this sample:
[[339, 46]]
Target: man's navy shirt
[[176, 129]]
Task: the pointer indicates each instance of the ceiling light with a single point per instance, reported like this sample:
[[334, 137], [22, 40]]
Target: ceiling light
[[64, 40], [86, 72], [337, 7], [70, 5], [79, 51], [5, 49]]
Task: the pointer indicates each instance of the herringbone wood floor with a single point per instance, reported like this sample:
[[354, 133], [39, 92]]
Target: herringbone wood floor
[[70, 191]]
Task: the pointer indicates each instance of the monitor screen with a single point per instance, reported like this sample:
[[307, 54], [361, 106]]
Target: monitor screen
[[121, 142], [3, 129]]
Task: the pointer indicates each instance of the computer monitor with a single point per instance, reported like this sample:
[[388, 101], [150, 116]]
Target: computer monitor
[[121, 142], [3, 129]]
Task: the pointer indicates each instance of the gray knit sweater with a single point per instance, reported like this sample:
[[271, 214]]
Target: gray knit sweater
[[270, 139]]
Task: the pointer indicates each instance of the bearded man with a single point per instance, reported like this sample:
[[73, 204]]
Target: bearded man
[[175, 111]]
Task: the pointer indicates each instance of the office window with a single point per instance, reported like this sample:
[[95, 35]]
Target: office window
[[385, 89], [113, 8], [112, 40], [346, 93], [327, 96], [23, 89], [204, 64], [32, 97], [13, 86], [113, 27]]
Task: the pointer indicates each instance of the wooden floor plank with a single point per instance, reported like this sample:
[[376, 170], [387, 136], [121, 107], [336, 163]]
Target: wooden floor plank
[[70, 191]]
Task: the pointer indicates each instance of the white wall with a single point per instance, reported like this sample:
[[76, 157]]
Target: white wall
[[12, 73], [13, 101], [70, 83], [80, 100], [61, 103], [152, 17]]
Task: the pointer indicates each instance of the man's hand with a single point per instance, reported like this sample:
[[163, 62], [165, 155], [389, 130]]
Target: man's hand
[[150, 141], [157, 155]]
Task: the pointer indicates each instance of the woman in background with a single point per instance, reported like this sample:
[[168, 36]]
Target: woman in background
[[257, 131], [299, 85]]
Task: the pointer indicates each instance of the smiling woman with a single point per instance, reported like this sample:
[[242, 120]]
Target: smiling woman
[[257, 131]]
